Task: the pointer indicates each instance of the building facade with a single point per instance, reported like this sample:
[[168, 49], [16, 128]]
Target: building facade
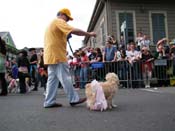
[[10, 45], [154, 18]]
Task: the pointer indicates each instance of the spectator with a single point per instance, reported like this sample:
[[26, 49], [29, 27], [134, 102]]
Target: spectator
[[172, 54], [110, 52], [33, 68], [12, 86], [160, 47], [123, 67], [145, 42], [14, 69], [98, 57], [121, 44], [23, 70], [147, 65], [92, 55], [84, 69], [133, 54], [76, 68], [42, 70], [172, 49], [3, 83], [133, 58], [139, 38], [115, 43]]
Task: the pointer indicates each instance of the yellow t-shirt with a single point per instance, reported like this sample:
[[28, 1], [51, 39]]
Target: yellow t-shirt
[[55, 41]]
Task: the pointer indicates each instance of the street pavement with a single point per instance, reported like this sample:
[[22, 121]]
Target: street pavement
[[141, 109]]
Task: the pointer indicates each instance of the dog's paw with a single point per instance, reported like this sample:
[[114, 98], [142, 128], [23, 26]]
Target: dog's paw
[[109, 107]]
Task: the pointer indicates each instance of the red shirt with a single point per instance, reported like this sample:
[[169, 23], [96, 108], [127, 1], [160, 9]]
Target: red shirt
[[84, 60]]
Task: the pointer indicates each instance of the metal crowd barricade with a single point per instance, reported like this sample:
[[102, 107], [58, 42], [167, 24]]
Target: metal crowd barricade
[[131, 75], [97, 71], [162, 71]]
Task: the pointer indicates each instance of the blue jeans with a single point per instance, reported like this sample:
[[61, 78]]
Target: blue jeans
[[34, 75], [59, 73], [83, 77]]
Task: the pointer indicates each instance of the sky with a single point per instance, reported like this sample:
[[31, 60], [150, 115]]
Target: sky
[[27, 20]]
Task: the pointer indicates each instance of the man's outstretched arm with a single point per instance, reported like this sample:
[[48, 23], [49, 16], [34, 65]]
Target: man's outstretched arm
[[80, 32]]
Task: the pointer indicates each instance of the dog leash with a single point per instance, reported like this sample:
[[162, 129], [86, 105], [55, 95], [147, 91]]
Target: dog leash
[[68, 37]]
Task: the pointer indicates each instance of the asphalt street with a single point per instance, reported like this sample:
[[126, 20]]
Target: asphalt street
[[150, 109]]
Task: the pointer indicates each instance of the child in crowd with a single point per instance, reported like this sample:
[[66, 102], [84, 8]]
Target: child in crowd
[[147, 65], [14, 69]]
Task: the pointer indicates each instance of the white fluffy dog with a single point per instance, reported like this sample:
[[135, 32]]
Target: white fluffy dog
[[109, 87]]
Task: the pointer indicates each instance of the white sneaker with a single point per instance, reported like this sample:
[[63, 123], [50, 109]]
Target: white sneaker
[[147, 86]]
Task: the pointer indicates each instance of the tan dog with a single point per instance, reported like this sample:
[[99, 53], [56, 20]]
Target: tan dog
[[110, 87]]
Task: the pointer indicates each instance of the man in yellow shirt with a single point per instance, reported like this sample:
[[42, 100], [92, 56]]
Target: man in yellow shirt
[[55, 57]]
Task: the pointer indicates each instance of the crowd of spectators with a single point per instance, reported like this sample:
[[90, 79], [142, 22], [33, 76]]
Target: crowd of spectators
[[23, 73], [139, 55], [28, 69]]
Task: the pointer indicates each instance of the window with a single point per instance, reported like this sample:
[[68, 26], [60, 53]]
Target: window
[[129, 18], [158, 26]]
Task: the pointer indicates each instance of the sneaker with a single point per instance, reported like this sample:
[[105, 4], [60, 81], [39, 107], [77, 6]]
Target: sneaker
[[147, 86], [81, 100]]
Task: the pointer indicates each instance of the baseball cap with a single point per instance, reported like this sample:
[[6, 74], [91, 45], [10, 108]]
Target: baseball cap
[[66, 12]]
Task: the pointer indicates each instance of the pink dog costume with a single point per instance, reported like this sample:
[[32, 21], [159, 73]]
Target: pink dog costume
[[100, 100]]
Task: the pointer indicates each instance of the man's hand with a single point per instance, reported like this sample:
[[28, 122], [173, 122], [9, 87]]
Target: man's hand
[[92, 34]]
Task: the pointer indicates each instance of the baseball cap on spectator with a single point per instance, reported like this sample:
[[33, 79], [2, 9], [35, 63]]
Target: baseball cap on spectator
[[66, 12]]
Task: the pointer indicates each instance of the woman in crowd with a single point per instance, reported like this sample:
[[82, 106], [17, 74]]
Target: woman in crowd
[[42, 70], [23, 70], [147, 65], [98, 56], [84, 69]]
